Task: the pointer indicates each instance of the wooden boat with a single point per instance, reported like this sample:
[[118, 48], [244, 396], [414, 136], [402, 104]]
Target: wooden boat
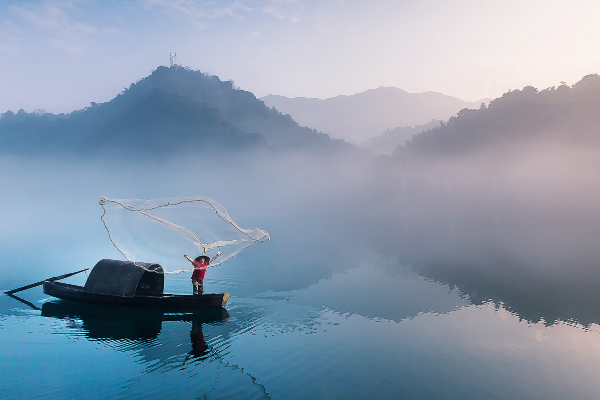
[[117, 323], [123, 283]]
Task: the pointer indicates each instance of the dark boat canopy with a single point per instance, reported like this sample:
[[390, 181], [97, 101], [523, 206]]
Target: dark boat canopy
[[124, 278]]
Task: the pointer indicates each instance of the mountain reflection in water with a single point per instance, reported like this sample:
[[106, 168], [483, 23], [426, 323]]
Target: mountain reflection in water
[[526, 291]]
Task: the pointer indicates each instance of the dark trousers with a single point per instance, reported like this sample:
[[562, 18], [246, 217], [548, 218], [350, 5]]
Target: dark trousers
[[198, 286]]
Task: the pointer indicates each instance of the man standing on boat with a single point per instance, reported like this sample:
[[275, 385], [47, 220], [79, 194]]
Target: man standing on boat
[[200, 264]]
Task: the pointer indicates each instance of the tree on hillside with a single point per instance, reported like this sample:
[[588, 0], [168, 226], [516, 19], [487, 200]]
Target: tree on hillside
[[560, 114]]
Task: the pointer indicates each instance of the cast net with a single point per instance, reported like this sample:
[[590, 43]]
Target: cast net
[[161, 231]]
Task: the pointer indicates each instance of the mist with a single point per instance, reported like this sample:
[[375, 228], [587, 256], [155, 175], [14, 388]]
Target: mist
[[50, 206], [499, 202], [499, 224]]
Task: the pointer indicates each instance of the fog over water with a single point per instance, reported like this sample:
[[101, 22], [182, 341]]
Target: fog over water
[[504, 225]]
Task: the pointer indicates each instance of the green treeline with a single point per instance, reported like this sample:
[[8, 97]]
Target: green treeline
[[172, 109], [560, 115], [177, 108]]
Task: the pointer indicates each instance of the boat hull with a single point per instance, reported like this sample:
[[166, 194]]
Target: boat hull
[[76, 293]]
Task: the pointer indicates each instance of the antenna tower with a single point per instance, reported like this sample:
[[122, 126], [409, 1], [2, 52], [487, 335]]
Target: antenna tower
[[172, 59]]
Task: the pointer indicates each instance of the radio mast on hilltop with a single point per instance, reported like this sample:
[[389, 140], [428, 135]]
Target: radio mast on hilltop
[[172, 59]]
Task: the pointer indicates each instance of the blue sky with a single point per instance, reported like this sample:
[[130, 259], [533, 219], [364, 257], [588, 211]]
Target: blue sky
[[62, 55]]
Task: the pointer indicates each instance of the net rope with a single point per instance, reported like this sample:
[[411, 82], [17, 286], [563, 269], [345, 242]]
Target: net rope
[[153, 231]]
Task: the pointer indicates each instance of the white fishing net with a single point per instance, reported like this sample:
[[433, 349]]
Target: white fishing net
[[161, 231]]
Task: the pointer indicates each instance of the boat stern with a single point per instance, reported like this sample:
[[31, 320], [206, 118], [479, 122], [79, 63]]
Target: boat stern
[[225, 298]]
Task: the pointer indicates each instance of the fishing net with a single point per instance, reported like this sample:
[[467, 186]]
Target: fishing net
[[161, 231]]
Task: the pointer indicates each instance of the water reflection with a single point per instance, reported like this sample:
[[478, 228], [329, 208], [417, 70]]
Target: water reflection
[[177, 345], [436, 345], [372, 292], [27, 303], [199, 346], [112, 323], [530, 293]]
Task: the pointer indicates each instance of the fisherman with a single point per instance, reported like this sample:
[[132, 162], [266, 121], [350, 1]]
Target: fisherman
[[200, 264]]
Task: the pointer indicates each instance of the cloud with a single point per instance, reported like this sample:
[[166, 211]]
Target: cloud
[[10, 49], [230, 10], [69, 46], [63, 33], [198, 10], [112, 31], [323, 22], [186, 7], [9, 38], [54, 17], [284, 9], [275, 13]]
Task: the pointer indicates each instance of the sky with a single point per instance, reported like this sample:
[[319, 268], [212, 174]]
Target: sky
[[61, 55]]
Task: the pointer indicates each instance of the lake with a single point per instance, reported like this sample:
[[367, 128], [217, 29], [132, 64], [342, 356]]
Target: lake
[[329, 308]]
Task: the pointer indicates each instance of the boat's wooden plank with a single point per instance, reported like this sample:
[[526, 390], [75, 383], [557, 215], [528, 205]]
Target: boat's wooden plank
[[77, 294]]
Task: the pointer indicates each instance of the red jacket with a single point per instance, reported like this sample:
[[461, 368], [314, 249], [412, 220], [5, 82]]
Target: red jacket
[[199, 273]]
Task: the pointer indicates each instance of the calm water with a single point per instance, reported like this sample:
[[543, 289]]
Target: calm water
[[318, 312], [359, 333]]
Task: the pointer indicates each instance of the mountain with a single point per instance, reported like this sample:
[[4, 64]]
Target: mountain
[[172, 109], [362, 116], [560, 116], [387, 142]]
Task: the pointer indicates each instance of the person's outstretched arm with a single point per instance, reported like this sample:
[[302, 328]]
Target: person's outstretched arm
[[186, 256], [218, 254]]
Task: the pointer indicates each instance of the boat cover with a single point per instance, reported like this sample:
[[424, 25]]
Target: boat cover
[[124, 278]]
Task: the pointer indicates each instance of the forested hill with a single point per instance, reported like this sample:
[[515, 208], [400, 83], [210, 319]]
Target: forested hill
[[563, 115], [172, 109]]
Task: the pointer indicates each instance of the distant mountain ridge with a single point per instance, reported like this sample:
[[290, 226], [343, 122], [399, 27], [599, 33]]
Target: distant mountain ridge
[[362, 116], [387, 142], [172, 109], [563, 116]]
